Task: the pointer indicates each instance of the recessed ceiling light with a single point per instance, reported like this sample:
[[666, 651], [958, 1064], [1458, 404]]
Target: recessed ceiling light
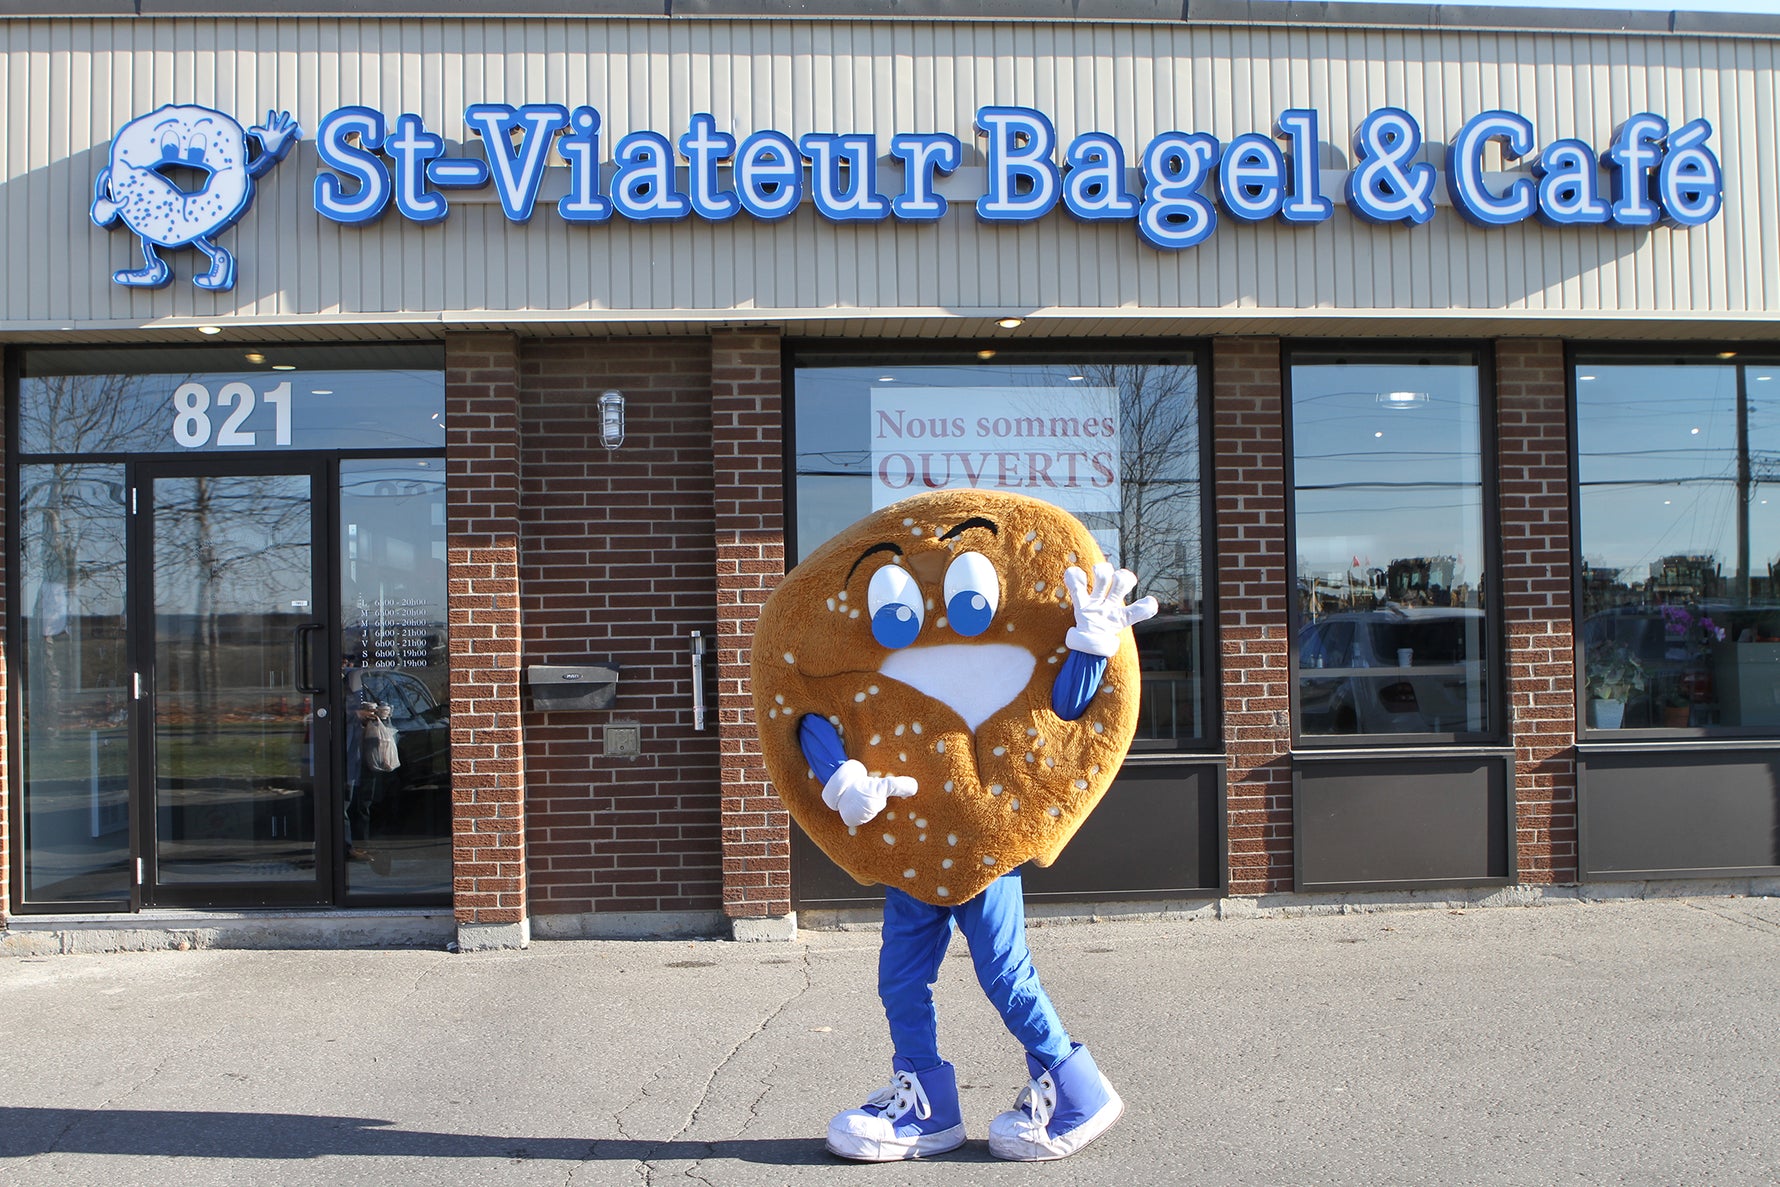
[[255, 357], [985, 354], [1011, 323], [1402, 399], [1727, 354], [284, 366], [209, 329]]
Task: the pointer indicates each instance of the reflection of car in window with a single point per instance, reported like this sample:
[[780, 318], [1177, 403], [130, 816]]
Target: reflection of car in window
[[423, 727], [1398, 670], [1170, 705]]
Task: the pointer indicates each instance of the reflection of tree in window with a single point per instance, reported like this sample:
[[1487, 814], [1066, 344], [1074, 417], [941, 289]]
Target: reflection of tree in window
[[92, 413], [226, 543], [72, 548], [1158, 517]]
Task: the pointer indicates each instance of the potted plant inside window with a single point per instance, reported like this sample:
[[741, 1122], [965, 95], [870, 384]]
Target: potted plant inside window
[[1677, 706], [1614, 674]]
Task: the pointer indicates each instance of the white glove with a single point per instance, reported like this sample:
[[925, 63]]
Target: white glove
[[1101, 617], [858, 796]]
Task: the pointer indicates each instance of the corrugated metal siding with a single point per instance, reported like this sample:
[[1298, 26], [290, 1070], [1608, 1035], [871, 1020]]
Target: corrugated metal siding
[[68, 84]]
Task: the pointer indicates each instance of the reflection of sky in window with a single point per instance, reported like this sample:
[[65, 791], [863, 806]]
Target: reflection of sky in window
[[1658, 460], [329, 410], [833, 447], [1387, 465]]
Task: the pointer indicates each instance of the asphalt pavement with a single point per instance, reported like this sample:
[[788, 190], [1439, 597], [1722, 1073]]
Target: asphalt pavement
[[1580, 1042]]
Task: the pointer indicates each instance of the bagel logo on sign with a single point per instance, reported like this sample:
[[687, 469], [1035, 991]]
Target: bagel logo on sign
[[179, 177]]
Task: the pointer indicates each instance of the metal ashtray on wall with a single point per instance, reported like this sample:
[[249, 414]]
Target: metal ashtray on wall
[[572, 686]]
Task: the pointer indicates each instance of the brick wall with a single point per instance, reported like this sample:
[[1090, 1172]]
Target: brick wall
[[1533, 457], [618, 565], [482, 568], [748, 443], [1248, 460]]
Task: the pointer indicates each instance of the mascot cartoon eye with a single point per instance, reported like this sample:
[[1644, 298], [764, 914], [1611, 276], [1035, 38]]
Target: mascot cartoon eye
[[973, 593], [895, 605]]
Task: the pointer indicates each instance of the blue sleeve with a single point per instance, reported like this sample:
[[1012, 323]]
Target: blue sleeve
[[821, 744], [1076, 685]]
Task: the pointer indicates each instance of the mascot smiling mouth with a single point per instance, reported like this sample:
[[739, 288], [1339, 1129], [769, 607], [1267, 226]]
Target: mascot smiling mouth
[[975, 682]]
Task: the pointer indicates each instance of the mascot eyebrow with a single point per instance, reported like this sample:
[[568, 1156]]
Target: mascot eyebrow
[[975, 521], [886, 546]]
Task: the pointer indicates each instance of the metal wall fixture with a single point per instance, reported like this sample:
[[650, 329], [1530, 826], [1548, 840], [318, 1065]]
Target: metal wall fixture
[[612, 419]]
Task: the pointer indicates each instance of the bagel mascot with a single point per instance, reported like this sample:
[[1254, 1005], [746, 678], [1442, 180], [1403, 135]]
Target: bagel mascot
[[943, 692]]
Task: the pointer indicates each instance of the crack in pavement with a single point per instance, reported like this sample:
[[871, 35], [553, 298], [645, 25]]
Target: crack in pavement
[[803, 987], [1766, 926]]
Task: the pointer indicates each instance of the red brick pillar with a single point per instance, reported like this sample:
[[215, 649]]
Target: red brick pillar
[[482, 561], [1248, 475], [1533, 459], [747, 442]]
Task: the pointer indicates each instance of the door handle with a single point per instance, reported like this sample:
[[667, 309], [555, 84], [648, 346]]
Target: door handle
[[305, 660]]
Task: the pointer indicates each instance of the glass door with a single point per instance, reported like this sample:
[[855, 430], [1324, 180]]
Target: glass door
[[233, 676]]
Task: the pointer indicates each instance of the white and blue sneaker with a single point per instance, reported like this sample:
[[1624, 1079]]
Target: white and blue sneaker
[[1058, 1113], [914, 1115]]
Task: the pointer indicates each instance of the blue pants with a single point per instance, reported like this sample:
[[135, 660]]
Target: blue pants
[[994, 925]]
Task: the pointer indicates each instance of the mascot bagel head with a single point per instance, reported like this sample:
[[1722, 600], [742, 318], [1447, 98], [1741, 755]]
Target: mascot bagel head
[[931, 636]]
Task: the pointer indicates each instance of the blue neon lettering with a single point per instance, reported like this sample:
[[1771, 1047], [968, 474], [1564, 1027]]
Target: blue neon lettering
[[1173, 213], [855, 197], [1636, 151], [643, 188], [360, 162], [1095, 186], [924, 159], [1023, 180], [1252, 178], [1305, 202], [517, 172], [703, 147], [769, 175], [1464, 170], [1388, 184], [580, 147], [1569, 185], [411, 146], [1690, 182], [1185, 179]]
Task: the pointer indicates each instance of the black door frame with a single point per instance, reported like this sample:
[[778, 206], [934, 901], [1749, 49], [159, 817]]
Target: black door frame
[[327, 888]]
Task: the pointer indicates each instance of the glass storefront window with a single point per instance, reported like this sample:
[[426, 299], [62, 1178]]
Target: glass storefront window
[[189, 622], [1678, 526], [207, 400], [395, 671], [74, 678], [1391, 564], [1113, 437]]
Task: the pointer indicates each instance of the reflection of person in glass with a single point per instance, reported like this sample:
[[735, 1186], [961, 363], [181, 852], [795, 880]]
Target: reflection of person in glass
[[368, 768]]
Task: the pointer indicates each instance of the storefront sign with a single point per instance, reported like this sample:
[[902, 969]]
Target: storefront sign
[[1058, 445], [1184, 181]]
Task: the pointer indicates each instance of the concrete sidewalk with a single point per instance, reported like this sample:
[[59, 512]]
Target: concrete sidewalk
[[1589, 1043]]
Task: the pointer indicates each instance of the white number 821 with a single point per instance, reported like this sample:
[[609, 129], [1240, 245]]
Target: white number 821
[[191, 414]]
